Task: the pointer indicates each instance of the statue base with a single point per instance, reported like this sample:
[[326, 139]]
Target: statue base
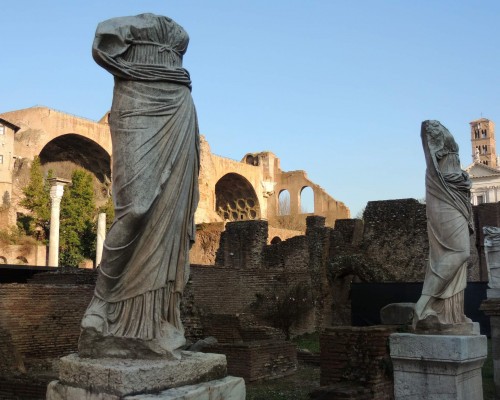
[[431, 326], [195, 374], [437, 367]]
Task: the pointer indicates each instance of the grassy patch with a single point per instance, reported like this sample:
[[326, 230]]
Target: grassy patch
[[308, 341], [293, 387]]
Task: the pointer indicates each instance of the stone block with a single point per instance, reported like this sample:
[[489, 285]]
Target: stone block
[[437, 367], [121, 377], [397, 314], [493, 293], [60, 391], [228, 388]]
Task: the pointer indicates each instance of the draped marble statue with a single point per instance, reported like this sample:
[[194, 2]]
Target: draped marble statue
[[449, 225], [492, 253], [145, 263]]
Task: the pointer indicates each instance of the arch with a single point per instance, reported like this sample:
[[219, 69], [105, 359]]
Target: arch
[[80, 150], [276, 240], [252, 159], [3, 260], [284, 202], [235, 198], [21, 260], [306, 200]]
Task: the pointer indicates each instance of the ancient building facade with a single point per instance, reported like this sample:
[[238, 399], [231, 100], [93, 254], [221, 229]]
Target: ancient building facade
[[230, 190]]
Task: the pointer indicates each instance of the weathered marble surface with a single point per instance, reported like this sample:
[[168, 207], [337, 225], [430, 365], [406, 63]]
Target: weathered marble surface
[[437, 367], [154, 130], [127, 377], [228, 388], [492, 253], [449, 226]]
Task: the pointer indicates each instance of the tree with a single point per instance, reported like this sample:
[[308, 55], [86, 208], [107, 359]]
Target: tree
[[77, 234], [37, 200]]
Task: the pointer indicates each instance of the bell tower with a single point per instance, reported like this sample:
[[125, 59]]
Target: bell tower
[[483, 142]]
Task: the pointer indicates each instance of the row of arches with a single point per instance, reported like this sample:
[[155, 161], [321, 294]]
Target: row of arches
[[235, 197], [306, 201]]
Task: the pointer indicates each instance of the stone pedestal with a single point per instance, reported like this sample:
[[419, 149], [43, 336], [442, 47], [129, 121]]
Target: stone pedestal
[[196, 376], [437, 367], [491, 307]]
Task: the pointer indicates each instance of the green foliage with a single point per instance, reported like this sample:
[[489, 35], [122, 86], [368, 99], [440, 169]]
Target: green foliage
[[37, 200], [77, 236], [292, 387], [308, 341], [77, 229], [285, 304]]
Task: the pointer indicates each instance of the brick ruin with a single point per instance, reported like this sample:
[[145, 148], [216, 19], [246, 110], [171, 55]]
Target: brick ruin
[[39, 320]]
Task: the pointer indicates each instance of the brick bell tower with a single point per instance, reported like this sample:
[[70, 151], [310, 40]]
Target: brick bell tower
[[483, 142]]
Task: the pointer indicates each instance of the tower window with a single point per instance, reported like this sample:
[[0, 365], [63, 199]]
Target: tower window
[[2, 130], [484, 133]]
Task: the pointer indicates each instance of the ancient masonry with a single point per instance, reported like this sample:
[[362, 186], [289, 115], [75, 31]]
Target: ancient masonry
[[230, 190]]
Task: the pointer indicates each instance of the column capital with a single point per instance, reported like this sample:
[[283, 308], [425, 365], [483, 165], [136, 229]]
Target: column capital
[[57, 187]]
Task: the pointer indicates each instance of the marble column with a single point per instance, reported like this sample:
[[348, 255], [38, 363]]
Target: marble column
[[56, 193], [101, 235]]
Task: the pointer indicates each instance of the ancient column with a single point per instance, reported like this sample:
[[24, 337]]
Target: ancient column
[[101, 234], [56, 193]]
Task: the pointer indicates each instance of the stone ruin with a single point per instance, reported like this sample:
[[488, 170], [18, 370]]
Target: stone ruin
[[42, 316]]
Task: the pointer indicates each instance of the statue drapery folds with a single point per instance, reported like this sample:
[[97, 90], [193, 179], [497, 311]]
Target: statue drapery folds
[[154, 130]]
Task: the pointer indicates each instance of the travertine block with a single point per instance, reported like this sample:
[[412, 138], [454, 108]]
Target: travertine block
[[437, 367], [123, 377], [228, 388]]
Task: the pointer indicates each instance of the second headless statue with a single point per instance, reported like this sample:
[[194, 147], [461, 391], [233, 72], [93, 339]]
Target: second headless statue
[[449, 226]]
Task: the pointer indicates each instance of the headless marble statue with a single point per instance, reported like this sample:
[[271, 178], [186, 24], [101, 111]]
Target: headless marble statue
[[449, 225], [145, 263]]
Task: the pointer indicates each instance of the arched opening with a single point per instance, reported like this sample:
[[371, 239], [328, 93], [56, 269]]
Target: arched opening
[[235, 199], [306, 200], [21, 260], [276, 240], [3, 260], [284, 203], [252, 160], [80, 150]]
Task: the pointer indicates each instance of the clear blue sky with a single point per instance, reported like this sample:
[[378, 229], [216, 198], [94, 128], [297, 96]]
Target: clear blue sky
[[336, 88]]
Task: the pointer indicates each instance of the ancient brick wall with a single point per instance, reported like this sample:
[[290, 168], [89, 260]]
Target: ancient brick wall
[[206, 244], [395, 239], [43, 320], [23, 387], [241, 245], [258, 360], [358, 355], [222, 290]]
